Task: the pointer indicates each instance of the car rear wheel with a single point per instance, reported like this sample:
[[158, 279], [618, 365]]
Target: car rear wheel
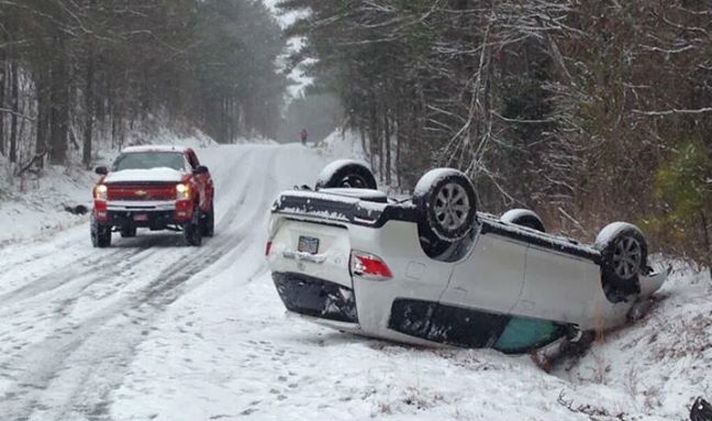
[[346, 173], [100, 234], [192, 230], [208, 222], [524, 218], [624, 254], [447, 204]]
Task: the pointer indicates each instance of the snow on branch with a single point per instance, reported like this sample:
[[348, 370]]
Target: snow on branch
[[673, 111]]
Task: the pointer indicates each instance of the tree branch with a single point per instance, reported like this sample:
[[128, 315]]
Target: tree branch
[[673, 111], [15, 113]]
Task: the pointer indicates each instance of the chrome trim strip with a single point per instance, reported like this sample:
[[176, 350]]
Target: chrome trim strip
[[144, 205]]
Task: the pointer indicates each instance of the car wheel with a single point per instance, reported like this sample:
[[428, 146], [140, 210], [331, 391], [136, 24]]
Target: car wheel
[[524, 218], [100, 234], [128, 231], [208, 222], [346, 173], [192, 230], [624, 254], [447, 204]]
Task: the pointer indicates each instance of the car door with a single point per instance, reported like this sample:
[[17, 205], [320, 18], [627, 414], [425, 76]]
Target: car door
[[560, 286], [491, 277]]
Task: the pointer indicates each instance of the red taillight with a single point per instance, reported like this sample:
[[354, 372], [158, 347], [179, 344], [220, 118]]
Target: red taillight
[[369, 266], [268, 248]]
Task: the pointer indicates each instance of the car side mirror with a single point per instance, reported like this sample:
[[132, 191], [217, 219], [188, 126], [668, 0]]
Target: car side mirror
[[202, 169], [101, 170]]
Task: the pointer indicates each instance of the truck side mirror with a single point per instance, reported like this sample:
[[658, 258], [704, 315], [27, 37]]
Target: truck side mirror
[[202, 169], [101, 170]]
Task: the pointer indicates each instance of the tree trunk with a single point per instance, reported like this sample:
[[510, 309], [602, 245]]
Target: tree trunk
[[708, 241], [398, 129], [362, 132], [15, 106], [59, 125], [372, 136], [89, 105], [387, 144], [2, 102], [42, 114]]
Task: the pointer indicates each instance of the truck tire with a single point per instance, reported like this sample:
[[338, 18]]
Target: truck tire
[[208, 222], [128, 231], [100, 234], [192, 230]]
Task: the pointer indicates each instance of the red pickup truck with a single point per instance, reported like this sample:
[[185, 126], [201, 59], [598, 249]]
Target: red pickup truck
[[155, 187]]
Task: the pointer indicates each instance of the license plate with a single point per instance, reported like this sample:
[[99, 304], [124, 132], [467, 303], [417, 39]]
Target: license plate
[[140, 217], [308, 245]]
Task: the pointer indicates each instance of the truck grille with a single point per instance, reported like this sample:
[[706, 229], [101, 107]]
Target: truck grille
[[138, 192]]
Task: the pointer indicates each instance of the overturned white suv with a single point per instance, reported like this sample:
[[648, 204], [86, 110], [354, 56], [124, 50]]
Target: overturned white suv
[[432, 270]]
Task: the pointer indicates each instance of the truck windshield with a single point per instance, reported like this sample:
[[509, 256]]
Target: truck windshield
[[148, 160]]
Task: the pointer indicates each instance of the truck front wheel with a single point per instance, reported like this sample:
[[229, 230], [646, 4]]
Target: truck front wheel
[[100, 234], [192, 229], [208, 222]]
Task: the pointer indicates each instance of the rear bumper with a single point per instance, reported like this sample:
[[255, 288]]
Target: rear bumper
[[316, 297]]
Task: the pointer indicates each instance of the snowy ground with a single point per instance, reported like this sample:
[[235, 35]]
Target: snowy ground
[[153, 330]]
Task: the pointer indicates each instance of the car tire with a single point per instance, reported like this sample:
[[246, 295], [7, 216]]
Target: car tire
[[624, 254], [346, 173], [100, 234], [446, 203], [128, 232], [524, 218], [192, 230], [208, 222]]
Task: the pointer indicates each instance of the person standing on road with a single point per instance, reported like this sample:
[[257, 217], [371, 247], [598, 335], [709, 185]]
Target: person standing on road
[[303, 135]]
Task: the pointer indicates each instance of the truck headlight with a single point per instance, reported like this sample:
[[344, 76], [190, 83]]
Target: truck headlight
[[182, 191], [100, 192]]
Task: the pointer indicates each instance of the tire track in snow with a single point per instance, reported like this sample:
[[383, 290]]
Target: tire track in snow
[[94, 353], [77, 270]]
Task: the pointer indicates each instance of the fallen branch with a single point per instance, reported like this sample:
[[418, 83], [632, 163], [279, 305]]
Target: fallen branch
[[35, 159], [591, 411]]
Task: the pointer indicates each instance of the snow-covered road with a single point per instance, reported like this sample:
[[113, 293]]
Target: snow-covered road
[[75, 318], [153, 330]]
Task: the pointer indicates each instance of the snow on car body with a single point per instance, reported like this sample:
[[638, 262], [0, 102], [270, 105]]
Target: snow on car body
[[155, 187], [358, 261]]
